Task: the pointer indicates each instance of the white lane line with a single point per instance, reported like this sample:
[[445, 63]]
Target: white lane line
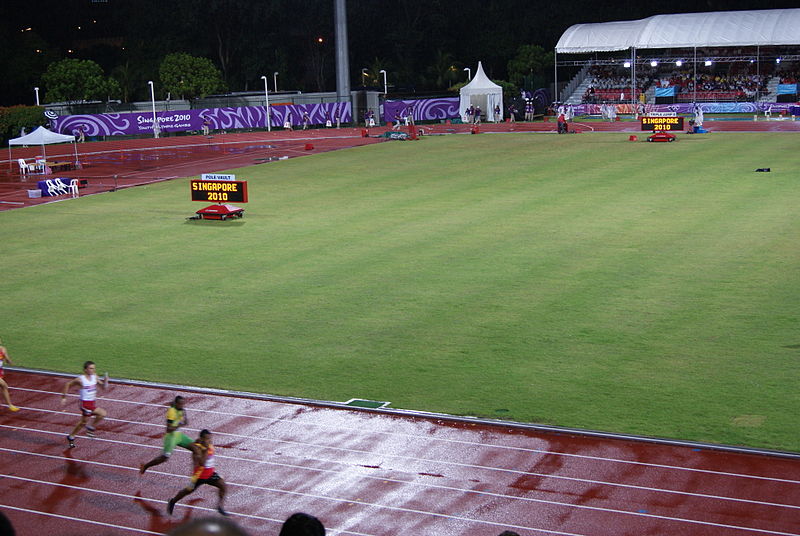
[[441, 462], [406, 510], [79, 519], [439, 486], [454, 441]]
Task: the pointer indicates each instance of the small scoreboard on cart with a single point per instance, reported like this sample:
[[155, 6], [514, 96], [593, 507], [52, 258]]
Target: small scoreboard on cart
[[662, 124], [220, 189]]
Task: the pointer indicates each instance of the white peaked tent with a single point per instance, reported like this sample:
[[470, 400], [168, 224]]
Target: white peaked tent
[[42, 136], [481, 92]]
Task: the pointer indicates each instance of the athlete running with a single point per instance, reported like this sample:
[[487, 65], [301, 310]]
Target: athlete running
[[204, 473], [176, 417], [5, 358], [88, 400]]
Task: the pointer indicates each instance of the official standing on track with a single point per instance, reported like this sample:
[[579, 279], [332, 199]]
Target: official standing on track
[[88, 400], [204, 473], [5, 358], [176, 417]]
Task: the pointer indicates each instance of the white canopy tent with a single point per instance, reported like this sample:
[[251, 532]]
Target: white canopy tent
[[686, 30], [481, 92], [765, 27], [42, 136]]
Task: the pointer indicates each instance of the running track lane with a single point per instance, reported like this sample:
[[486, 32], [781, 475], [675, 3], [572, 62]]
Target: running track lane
[[370, 474]]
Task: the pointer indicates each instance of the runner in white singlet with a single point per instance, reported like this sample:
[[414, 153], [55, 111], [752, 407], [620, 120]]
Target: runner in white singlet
[[88, 400]]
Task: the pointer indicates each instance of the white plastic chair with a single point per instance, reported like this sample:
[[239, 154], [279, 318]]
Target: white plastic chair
[[24, 168]]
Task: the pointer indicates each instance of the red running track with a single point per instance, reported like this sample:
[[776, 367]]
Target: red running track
[[370, 473], [114, 164]]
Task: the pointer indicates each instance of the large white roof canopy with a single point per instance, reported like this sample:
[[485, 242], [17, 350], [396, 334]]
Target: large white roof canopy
[[718, 29]]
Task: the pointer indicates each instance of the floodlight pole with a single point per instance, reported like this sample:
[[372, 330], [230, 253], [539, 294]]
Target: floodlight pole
[[153, 100], [36, 89], [385, 87], [266, 96], [555, 76]]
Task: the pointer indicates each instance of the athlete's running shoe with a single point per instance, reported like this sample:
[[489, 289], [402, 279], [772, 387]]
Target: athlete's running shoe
[[222, 511], [71, 442], [90, 430], [13, 408]]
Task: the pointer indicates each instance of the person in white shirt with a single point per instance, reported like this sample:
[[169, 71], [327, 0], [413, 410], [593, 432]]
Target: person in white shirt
[[88, 383]]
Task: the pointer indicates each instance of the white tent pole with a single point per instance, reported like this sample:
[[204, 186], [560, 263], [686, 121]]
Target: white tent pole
[[633, 72], [758, 72], [694, 80]]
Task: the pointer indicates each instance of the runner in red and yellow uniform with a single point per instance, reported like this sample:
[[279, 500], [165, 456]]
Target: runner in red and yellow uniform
[[204, 473], [5, 358]]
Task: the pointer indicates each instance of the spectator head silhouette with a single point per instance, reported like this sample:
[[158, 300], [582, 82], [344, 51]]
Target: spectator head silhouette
[[6, 529], [208, 526], [508, 533], [301, 524]]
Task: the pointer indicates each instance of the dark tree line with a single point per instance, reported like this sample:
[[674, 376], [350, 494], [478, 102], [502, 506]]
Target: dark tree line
[[422, 44]]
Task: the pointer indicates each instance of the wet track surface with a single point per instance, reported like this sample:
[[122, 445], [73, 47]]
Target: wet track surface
[[369, 472]]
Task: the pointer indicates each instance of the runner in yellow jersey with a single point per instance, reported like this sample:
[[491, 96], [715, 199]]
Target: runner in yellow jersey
[[176, 417]]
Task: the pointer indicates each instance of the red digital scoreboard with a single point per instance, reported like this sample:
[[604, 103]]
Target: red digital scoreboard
[[219, 191]]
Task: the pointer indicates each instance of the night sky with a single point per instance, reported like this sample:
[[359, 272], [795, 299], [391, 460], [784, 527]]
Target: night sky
[[411, 39]]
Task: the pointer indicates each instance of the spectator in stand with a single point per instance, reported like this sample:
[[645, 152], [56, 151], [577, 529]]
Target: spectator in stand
[[301, 524]]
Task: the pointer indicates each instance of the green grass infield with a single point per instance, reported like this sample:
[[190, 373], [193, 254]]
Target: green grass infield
[[582, 280]]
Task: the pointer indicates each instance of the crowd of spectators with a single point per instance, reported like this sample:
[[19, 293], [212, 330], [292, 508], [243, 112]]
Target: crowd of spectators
[[609, 84], [739, 86]]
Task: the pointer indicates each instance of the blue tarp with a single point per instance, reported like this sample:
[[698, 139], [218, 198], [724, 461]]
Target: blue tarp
[[665, 91], [787, 89]]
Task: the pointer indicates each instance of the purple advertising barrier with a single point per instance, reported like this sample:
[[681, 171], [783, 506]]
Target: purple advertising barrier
[[422, 109], [132, 123], [318, 114]]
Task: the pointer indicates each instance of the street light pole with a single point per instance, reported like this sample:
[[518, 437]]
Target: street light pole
[[275, 80], [385, 87], [363, 74], [153, 99], [36, 89], [266, 94], [469, 73]]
